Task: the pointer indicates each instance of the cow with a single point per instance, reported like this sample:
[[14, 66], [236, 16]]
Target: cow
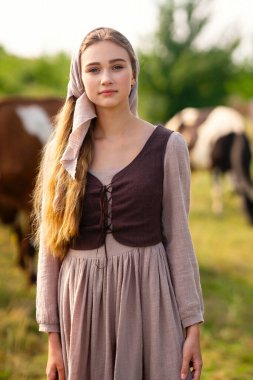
[[217, 142], [25, 125]]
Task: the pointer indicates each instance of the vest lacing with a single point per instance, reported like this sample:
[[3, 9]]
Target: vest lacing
[[105, 226]]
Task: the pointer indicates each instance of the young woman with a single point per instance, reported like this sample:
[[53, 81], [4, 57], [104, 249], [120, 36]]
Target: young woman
[[118, 287]]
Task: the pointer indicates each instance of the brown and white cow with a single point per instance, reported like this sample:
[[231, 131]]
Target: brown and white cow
[[25, 125], [217, 141]]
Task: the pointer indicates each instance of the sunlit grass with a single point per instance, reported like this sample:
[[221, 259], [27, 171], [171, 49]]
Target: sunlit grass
[[22, 349], [224, 249]]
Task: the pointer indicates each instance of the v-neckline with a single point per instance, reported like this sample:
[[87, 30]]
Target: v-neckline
[[131, 162]]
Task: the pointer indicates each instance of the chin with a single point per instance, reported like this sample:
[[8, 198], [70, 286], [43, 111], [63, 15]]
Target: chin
[[109, 103]]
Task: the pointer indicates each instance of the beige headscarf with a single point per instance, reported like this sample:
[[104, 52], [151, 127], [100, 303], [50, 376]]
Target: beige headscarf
[[84, 112]]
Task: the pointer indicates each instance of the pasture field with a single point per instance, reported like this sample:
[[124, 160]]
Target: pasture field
[[224, 249]]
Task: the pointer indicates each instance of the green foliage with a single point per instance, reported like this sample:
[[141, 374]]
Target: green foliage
[[46, 75], [174, 73], [241, 84]]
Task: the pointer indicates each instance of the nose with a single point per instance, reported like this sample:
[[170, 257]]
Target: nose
[[106, 77]]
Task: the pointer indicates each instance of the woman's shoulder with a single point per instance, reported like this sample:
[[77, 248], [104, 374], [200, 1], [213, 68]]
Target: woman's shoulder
[[176, 150], [176, 142]]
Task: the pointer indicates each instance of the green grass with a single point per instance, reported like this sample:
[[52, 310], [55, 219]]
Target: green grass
[[224, 249], [22, 348]]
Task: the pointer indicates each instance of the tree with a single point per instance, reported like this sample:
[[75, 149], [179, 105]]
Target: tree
[[41, 76], [175, 73]]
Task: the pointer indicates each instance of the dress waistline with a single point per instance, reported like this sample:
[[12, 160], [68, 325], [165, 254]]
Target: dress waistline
[[99, 253]]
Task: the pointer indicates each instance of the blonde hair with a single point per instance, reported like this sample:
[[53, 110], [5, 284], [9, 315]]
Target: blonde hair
[[60, 223]]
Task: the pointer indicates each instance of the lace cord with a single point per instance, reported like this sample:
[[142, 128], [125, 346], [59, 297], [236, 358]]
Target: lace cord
[[104, 226]]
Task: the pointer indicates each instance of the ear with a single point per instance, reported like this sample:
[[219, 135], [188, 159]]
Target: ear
[[133, 82]]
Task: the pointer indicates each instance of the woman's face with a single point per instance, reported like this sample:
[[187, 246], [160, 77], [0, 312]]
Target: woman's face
[[107, 74]]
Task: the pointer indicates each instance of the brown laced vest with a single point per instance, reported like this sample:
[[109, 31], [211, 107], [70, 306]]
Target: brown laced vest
[[136, 193]]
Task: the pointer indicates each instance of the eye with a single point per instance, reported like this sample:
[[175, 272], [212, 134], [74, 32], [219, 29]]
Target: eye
[[93, 70], [117, 67]]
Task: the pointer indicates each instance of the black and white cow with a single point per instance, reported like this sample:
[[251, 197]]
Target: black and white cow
[[217, 141], [25, 125]]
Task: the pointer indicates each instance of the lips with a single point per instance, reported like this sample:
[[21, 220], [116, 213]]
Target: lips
[[107, 92]]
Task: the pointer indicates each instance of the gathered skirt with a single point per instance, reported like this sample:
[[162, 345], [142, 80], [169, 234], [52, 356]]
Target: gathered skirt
[[119, 318]]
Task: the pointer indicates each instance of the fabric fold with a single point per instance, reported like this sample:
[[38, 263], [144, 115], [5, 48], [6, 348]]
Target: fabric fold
[[83, 114]]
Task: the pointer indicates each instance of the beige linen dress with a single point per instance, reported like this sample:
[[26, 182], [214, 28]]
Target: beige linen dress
[[127, 320]]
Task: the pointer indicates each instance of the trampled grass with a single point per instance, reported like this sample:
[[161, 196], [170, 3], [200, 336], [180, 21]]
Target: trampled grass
[[224, 249]]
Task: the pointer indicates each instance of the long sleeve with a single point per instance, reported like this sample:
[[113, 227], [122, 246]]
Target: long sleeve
[[180, 252], [48, 269], [47, 290]]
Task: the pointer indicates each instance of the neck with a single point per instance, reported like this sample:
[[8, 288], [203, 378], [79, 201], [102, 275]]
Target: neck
[[113, 122]]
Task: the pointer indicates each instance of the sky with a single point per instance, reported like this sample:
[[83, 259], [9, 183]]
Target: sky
[[34, 27]]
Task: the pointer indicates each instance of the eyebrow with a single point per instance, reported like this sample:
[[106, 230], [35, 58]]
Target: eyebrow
[[111, 61]]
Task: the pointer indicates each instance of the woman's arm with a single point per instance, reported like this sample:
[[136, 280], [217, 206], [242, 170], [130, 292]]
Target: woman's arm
[[47, 269], [47, 310], [55, 366], [47, 314], [181, 257], [192, 353], [47, 289], [178, 243]]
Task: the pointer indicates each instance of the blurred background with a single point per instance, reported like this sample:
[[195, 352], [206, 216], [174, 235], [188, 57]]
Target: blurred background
[[196, 76]]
